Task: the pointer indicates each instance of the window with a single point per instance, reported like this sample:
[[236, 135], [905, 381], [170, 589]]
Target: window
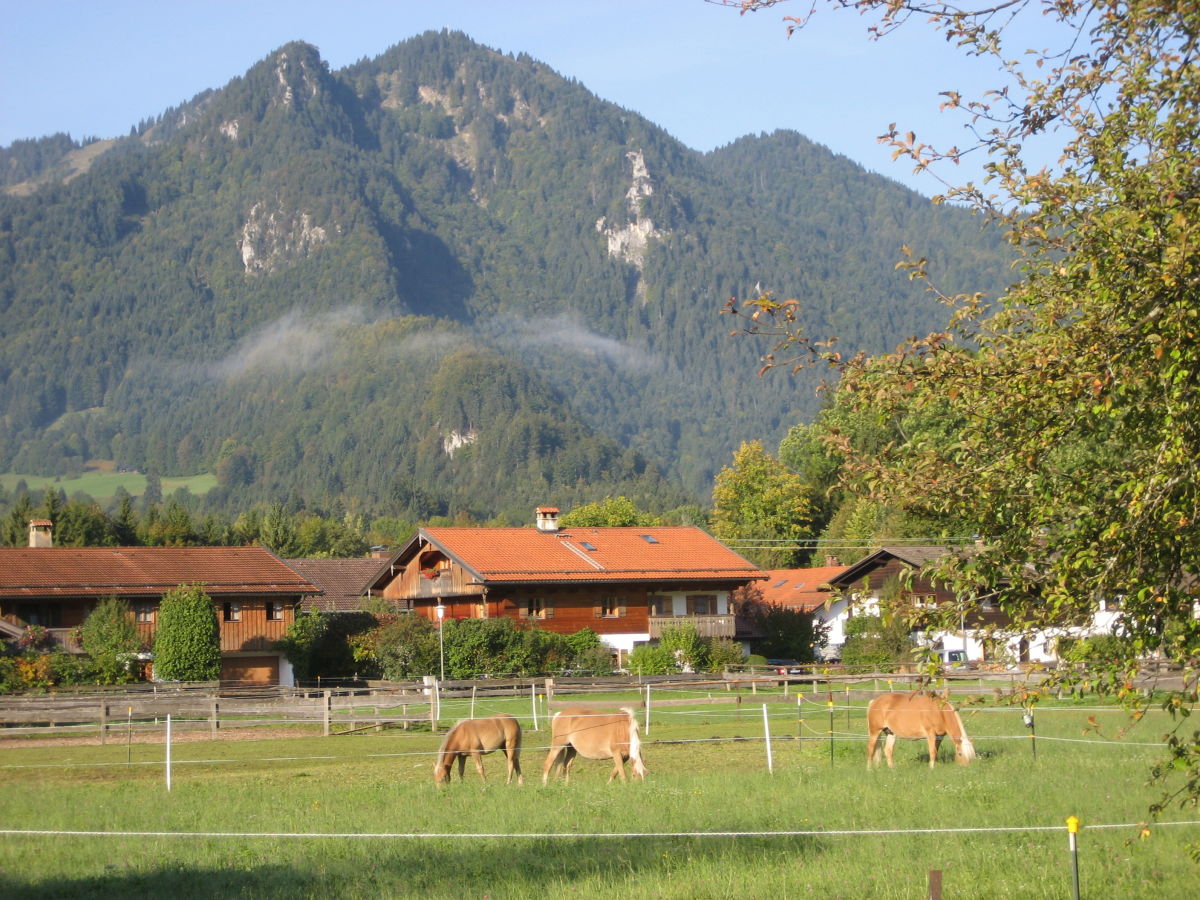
[[661, 605], [45, 614], [231, 612], [143, 613], [649, 538], [610, 607], [274, 611], [535, 608], [702, 605]]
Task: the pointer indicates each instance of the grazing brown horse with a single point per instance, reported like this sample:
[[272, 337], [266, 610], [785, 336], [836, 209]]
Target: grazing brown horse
[[474, 737], [594, 735], [915, 716]]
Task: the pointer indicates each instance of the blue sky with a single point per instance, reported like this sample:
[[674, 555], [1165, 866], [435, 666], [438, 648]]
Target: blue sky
[[705, 73]]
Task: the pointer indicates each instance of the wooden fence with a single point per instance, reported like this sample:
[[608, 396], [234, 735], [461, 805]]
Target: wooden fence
[[381, 704]]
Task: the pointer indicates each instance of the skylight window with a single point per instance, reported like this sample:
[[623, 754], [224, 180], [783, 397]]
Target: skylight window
[[649, 538], [586, 546]]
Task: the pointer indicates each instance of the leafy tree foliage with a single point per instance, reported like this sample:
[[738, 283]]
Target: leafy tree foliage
[[187, 642], [611, 511], [110, 640], [1075, 389], [758, 500]]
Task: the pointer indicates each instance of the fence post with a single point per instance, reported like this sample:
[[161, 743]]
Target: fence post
[[647, 709], [214, 718], [831, 728], [168, 751], [1072, 831], [103, 723], [533, 702], [326, 707], [935, 884], [767, 737]]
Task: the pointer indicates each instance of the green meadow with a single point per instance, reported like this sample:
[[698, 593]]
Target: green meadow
[[357, 815], [102, 486]]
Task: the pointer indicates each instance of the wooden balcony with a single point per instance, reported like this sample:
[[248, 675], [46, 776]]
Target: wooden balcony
[[445, 584], [706, 626]]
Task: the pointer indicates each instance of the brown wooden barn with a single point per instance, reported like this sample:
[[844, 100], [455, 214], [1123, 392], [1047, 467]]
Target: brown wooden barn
[[254, 593]]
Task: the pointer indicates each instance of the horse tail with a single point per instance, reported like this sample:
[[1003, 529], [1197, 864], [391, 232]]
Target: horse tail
[[635, 744], [966, 748]]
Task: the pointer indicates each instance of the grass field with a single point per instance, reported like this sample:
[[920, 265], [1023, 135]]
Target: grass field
[[376, 825], [102, 486]]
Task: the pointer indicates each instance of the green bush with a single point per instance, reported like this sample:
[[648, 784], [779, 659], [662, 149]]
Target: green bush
[[596, 660], [110, 640], [406, 647], [723, 653], [187, 645], [687, 648], [648, 659], [873, 643]]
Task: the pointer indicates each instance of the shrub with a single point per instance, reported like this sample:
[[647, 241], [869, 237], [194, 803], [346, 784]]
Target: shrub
[[406, 647], [299, 644], [652, 660], [110, 639], [597, 660], [873, 643], [187, 645], [723, 653], [687, 648]]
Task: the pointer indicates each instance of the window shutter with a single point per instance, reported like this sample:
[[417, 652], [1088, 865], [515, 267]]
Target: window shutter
[[548, 611], [522, 610], [598, 611], [621, 611]]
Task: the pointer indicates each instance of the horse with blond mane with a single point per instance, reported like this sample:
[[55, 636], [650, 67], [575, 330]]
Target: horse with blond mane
[[594, 735], [915, 716], [474, 737]]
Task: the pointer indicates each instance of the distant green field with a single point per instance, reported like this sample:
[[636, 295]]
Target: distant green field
[[358, 815], [103, 486]]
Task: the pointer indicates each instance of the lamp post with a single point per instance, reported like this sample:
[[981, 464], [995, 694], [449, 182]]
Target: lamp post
[[441, 613]]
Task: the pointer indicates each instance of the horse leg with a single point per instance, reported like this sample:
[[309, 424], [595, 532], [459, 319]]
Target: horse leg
[[569, 755], [873, 749], [889, 745], [552, 759], [514, 764], [478, 757], [618, 767], [462, 764], [934, 742]]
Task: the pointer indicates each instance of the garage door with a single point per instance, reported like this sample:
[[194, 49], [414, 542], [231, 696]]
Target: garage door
[[250, 670]]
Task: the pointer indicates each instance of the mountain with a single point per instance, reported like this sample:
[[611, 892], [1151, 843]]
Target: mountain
[[441, 280]]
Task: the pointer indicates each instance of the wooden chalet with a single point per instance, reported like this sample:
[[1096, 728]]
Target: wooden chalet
[[861, 586], [625, 583], [254, 593]]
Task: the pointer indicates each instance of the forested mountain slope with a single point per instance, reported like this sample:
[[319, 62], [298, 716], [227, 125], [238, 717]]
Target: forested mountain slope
[[444, 279]]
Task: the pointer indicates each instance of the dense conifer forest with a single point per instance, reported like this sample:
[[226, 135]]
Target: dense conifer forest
[[441, 282]]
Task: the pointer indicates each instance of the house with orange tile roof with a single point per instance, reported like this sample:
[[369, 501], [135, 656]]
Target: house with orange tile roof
[[255, 595], [625, 583], [811, 591]]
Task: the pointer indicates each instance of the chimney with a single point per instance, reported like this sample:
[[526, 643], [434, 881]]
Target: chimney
[[547, 518], [831, 561], [40, 533]]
